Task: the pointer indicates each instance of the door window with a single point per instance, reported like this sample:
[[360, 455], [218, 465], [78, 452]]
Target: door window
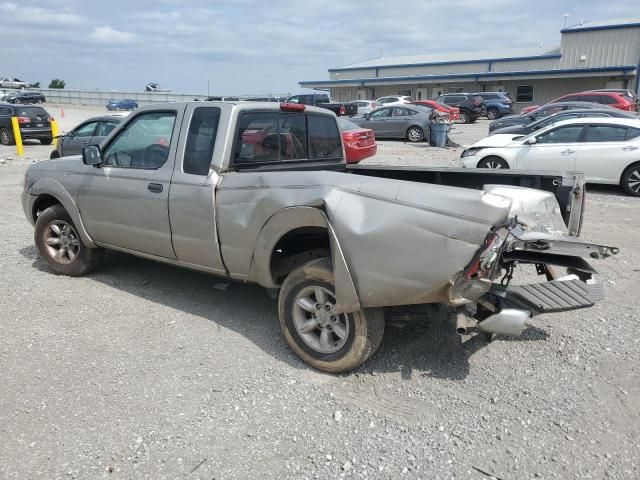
[[605, 133], [105, 128], [381, 113], [201, 140], [144, 143], [633, 133], [568, 134], [401, 112], [85, 130]]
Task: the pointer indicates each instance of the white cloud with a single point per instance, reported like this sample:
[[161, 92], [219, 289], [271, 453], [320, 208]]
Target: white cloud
[[108, 35]]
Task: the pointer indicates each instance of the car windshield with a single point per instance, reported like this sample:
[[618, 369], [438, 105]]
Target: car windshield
[[346, 125]]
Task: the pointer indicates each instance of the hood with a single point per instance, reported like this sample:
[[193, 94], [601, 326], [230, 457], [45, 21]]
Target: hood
[[56, 163], [501, 140]]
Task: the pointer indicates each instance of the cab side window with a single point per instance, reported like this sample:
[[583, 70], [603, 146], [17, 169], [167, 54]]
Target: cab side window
[[201, 140], [144, 143], [105, 128], [85, 130]]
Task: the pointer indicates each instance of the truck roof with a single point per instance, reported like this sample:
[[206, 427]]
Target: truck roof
[[239, 105]]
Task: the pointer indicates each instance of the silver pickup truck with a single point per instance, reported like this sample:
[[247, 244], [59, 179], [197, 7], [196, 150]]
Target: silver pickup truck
[[259, 192]]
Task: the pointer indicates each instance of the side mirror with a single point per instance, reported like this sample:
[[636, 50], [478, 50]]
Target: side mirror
[[531, 141], [91, 155]]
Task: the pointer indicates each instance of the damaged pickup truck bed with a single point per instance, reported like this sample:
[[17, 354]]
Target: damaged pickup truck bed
[[260, 193]]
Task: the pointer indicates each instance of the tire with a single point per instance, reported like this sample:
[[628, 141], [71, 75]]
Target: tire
[[415, 134], [6, 138], [54, 154], [362, 331], [493, 114], [46, 141], [493, 162], [55, 224], [465, 117], [630, 180]]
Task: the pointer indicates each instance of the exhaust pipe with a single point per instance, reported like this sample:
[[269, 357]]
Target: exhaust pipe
[[506, 322], [465, 325]]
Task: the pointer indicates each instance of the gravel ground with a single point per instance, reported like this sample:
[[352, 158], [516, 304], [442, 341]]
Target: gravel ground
[[142, 370]]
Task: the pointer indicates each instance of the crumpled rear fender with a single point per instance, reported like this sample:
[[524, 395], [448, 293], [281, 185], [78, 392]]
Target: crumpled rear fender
[[50, 186]]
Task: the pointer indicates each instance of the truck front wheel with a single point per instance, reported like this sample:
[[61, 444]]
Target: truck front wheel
[[324, 339], [60, 245]]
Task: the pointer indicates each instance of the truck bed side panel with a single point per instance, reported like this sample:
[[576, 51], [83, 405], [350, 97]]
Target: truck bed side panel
[[402, 241]]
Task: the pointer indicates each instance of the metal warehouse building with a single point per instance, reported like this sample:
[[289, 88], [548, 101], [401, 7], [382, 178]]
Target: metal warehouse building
[[591, 55]]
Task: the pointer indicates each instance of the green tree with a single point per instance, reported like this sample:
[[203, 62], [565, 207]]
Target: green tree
[[34, 85], [57, 83]]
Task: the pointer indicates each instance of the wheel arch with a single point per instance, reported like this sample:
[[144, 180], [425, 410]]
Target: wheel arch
[[47, 190], [492, 155], [626, 167], [310, 225]]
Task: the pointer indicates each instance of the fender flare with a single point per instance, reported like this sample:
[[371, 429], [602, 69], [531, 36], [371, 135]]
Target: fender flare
[[283, 222], [49, 186]]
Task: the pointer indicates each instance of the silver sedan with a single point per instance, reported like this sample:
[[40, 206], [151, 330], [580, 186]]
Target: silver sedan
[[407, 121]]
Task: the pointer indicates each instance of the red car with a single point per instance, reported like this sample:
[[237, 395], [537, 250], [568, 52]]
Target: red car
[[454, 112], [359, 143], [610, 99]]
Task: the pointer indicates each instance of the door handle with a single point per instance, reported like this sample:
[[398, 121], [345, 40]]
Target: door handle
[[155, 187], [568, 151], [630, 148]]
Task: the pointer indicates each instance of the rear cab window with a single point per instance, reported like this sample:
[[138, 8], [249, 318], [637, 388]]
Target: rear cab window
[[274, 137]]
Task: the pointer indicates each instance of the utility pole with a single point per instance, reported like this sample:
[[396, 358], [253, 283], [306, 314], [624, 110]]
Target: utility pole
[[208, 94], [566, 15]]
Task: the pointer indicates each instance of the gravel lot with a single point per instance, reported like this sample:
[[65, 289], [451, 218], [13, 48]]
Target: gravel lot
[[146, 371]]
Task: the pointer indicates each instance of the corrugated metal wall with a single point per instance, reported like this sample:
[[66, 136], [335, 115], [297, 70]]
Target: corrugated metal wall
[[601, 48]]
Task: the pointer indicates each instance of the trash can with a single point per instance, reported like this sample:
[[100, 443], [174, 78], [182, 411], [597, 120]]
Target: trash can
[[439, 134]]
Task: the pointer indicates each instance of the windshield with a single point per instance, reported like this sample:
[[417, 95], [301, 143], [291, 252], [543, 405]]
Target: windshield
[[346, 125]]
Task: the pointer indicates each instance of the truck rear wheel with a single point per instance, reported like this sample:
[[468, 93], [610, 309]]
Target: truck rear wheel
[[321, 337]]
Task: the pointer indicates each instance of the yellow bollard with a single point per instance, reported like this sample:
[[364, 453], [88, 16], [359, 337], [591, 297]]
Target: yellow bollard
[[54, 133], [17, 137]]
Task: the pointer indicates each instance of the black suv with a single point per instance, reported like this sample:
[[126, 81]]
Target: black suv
[[25, 97], [35, 123], [471, 106]]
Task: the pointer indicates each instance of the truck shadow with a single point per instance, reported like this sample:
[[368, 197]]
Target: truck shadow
[[430, 347]]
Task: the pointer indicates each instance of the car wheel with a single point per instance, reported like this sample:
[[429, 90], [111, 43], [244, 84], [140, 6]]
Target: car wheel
[[493, 162], [5, 137], [493, 113], [46, 141], [321, 337], [54, 154], [630, 180], [415, 134], [465, 117], [60, 245]]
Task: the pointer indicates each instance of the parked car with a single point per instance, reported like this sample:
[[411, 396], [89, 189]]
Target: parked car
[[526, 129], [342, 247], [322, 100], [359, 143], [408, 121], [35, 123], [541, 112], [24, 97], [497, 104], [606, 150], [625, 92], [453, 112], [89, 132], [364, 106], [610, 99], [8, 82], [394, 100], [126, 104], [151, 87], [471, 106]]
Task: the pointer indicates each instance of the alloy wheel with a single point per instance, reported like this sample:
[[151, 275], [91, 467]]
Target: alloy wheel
[[316, 321], [633, 180], [61, 241]]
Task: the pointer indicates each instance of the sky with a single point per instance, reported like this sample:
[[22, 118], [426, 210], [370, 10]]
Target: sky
[[239, 47]]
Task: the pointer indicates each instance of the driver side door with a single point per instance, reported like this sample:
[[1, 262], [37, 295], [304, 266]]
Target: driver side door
[[555, 149], [124, 202], [378, 121]]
